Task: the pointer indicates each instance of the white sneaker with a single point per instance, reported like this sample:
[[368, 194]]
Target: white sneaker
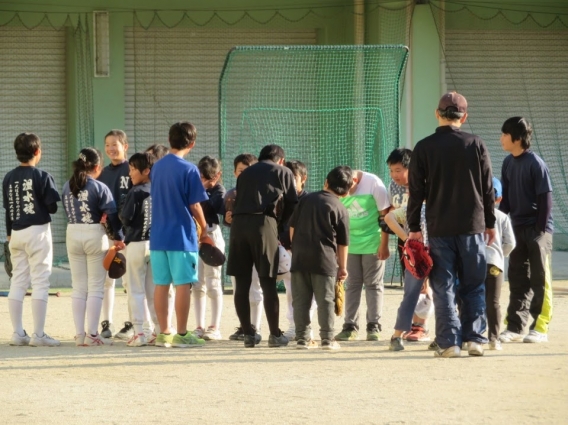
[[44, 341], [18, 340], [80, 340], [508, 336], [495, 345], [450, 352], [198, 332], [212, 334], [138, 340], [330, 344], [290, 333], [151, 339], [474, 348], [95, 341], [535, 337]]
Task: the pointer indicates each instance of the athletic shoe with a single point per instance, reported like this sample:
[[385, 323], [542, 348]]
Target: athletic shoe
[[330, 344], [417, 333], [474, 348], [453, 351], [251, 340], [373, 335], [18, 340], [80, 340], [126, 332], [464, 346], [277, 341], [187, 341], [535, 337], [151, 339], [508, 336], [164, 340], [290, 333], [212, 334], [198, 332], [396, 344], [106, 331], [302, 344], [433, 346], [495, 345], [44, 341], [238, 335], [347, 335], [97, 340], [138, 340]]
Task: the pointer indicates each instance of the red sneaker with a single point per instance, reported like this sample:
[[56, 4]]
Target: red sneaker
[[417, 333]]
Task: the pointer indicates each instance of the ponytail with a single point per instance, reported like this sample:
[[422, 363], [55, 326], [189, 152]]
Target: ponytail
[[88, 160]]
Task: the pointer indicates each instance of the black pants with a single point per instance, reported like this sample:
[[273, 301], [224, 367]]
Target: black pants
[[530, 280], [493, 284], [254, 242], [271, 302]]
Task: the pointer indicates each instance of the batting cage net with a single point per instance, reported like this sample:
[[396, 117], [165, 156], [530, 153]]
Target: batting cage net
[[325, 105]]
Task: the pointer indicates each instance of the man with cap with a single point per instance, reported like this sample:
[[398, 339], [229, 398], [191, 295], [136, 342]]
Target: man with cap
[[451, 171]]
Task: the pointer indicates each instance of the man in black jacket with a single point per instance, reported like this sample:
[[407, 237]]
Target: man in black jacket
[[266, 196], [450, 170]]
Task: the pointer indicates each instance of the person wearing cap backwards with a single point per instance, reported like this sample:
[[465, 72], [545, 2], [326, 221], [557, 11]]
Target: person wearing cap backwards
[[451, 171]]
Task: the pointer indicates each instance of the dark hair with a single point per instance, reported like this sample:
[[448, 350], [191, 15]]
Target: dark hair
[[182, 134], [158, 150], [340, 180], [122, 138], [400, 156], [245, 158], [26, 145], [519, 129], [271, 153], [209, 167], [88, 159], [142, 160], [298, 168], [450, 113]]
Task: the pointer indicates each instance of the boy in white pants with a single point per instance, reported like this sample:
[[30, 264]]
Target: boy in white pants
[[210, 277], [30, 197], [136, 216]]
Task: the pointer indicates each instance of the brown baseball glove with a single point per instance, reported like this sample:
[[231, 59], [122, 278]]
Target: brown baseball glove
[[339, 297]]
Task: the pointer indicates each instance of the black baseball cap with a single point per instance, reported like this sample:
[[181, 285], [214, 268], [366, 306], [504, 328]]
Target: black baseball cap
[[115, 263], [453, 100]]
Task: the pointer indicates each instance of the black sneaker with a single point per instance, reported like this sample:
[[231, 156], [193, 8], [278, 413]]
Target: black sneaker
[[433, 346], [106, 332], [238, 335], [277, 341], [126, 332], [396, 344], [251, 340]]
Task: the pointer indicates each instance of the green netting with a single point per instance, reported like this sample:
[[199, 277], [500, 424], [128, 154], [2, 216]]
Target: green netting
[[325, 105], [511, 60]]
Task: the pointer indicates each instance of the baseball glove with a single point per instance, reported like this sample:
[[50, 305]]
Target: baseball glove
[[339, 297], [417, 258], [106, 226], [7, 259], [198, 229]]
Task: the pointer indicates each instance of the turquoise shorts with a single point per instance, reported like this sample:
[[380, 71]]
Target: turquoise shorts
[[177, 267]]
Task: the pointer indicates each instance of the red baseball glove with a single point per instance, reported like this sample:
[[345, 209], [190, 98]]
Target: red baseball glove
[[416, 258]]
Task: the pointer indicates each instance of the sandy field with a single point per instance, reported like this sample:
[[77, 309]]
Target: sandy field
[[363, 383]]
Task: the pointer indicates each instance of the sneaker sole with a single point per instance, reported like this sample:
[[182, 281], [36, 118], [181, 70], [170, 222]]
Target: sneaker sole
[[372, 338], [277, 345], [123, 337], [45, 345], [187, 345], [328, 348], [163, 344]]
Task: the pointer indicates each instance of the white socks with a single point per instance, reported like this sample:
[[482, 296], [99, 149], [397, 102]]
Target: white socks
[[16, 313], [94, 305], [108, 300], [39, 312], [79, 306]]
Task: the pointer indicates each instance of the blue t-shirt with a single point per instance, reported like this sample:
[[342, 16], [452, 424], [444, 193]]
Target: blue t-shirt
[[524, 178], [27, 193], [176, 184], [90, 204]]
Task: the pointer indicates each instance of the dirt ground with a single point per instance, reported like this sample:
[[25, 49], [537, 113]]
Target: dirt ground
[[363, 383]]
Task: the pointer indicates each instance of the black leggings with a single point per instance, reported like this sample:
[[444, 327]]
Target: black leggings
[[271, 302], [493, 286]]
